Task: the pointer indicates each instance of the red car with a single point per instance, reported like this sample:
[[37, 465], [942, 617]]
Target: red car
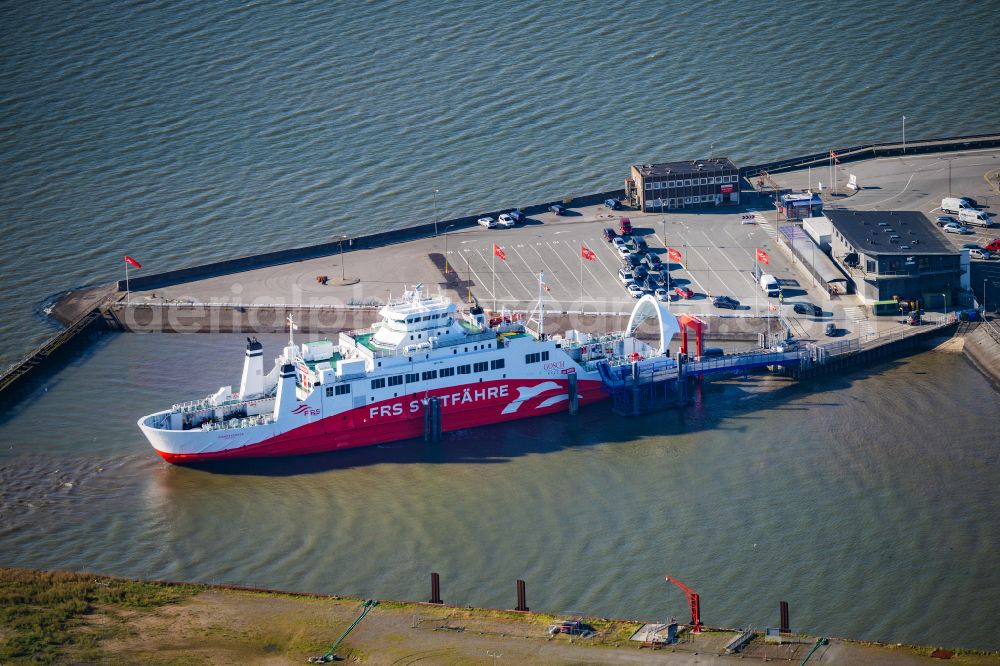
[[684, 292], [624, 226], [993, 245]]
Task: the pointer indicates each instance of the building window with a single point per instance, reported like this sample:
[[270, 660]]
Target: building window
[[447, 372], [430, 374], [687, 183], [412, 377], [496, 364], [465, 369], [395, 380], [648, 185], [342, 389], [378, 383], [329, 391], [545, 356], [656, 185], [870, 266], [480, 367], [532, 358]]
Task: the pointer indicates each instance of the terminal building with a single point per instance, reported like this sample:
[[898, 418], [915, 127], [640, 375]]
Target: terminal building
[[895, 255], [693, 184]]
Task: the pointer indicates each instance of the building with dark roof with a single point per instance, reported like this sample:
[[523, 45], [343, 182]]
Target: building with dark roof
[[691, 184], [895, 255]]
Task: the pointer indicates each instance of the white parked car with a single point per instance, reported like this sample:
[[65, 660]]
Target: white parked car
[[634, 290], [661, 294], [954, 228], [505, 221], [981, 254], [487, 222], [624, 251], [625, 275], [618, 242]]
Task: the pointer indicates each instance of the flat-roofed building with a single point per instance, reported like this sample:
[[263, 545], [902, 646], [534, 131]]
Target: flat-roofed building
[[691, 184], [895, 255]]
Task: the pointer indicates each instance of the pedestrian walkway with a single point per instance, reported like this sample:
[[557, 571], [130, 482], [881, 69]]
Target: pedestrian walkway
[[859, 315], [765, 223]]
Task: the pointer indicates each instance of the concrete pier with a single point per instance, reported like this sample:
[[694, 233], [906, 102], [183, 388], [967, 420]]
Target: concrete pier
[[255, 294]]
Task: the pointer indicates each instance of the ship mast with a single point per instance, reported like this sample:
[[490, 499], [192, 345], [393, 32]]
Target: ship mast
[[540, 307]]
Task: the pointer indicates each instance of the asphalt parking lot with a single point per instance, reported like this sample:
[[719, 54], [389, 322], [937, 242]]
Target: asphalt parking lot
[[717, 251]]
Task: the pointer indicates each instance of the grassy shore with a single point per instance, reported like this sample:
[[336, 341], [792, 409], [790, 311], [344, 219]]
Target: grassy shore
[[55, 617]]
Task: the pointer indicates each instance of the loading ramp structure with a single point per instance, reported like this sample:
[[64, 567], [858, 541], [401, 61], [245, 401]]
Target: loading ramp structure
[[639, 383]]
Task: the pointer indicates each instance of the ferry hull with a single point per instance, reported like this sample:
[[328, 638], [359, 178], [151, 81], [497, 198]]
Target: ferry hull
[[386, 421]]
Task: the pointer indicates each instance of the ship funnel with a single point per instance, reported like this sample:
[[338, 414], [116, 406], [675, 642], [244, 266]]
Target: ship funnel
[[286, 390], [252, 384]]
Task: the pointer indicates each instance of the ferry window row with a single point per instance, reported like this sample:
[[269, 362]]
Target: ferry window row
[[690, 182], [428, 375], [536, 357]]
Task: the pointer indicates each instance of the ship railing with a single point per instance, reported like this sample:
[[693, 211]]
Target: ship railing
[[242, 422], [387, 353]]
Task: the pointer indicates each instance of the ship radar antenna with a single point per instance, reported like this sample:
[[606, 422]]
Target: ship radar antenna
[[291, 327]]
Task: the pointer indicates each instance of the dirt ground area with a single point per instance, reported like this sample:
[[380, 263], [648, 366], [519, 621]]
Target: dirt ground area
[[82, 618]]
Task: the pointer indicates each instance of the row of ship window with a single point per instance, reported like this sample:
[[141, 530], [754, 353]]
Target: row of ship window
[[714, 180], [427, 375]]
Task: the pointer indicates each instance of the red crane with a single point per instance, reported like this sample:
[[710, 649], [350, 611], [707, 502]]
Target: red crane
[[694, 601]]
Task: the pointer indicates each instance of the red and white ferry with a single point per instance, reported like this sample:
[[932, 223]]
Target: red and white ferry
[[375, 385]]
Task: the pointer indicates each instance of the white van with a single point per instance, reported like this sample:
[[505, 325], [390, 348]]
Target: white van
[[769, 285], [954, 205], [976, 217]]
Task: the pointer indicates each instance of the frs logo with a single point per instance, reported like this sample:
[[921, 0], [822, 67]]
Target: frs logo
[[304, 409]]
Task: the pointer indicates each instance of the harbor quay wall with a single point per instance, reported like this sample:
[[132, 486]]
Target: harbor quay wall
[[381, 239], [347, 244], [330, 320], [872, 150]]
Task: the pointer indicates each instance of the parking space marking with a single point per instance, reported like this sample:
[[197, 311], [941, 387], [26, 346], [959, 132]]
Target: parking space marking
[[571, 291], [479, 280], [548, 272], [501, 281]]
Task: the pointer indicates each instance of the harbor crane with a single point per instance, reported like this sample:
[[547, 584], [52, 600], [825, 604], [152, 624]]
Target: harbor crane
[[694, 601]]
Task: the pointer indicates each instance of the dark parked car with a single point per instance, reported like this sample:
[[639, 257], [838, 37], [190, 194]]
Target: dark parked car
[[609, 234], [945, 219], [653, 260], [808, 309], [641, 245], [726, 302], [517, 216], [831, 330], [558, 209], [634, 260], [641, 272], [613, 204]]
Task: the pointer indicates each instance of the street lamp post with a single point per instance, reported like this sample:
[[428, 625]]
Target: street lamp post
[[446, 251], [945, 299], [984, 299], [435, 212], [949, 176], [344, 278]]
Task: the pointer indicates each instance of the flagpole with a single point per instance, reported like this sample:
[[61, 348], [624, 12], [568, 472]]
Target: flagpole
[[581, 277], [494, 277], [756, 274], [670, 297], [128, 293]]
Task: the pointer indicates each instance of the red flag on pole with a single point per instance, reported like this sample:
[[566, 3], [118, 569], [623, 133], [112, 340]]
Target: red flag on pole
[[673, 254], [497, 250], [587, 253], [833, 155], [762, 257], [130, 260]]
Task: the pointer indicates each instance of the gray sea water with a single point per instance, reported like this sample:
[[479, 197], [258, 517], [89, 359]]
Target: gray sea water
[[183, 132]]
